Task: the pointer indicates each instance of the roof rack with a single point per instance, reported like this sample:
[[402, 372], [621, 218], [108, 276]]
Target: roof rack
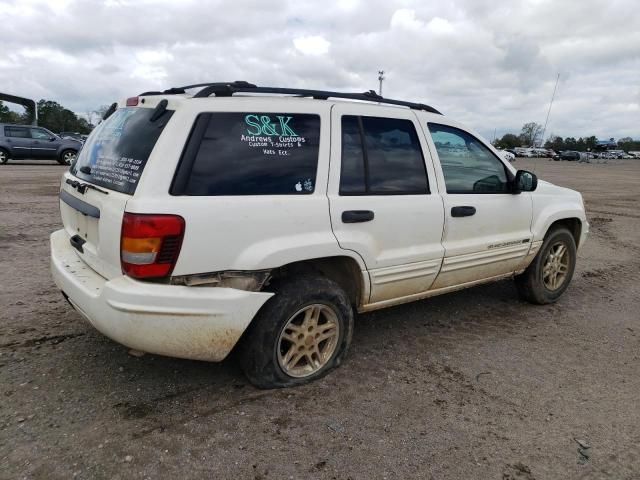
[[179, 90], [227, 89]]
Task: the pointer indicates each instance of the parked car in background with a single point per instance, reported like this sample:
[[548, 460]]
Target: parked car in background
[[524, 152], [74, 135], [508, 156], [570, 155], [511, 150], [35, 143]]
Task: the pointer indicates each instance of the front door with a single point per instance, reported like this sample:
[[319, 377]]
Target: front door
[[383, 197], [44, 144], [487, 229]]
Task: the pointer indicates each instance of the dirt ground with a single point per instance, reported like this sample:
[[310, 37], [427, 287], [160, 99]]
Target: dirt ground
[[474, 384]]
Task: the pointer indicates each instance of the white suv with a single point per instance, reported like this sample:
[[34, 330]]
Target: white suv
[[266, 217]]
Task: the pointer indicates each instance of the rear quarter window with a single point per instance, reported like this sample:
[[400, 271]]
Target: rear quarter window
[[250, 153]]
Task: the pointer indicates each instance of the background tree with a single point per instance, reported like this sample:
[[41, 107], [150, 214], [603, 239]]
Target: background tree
[[570, 143], [530, 134], [58, 119], [9, 116], [508, 140], [629, 144], [555, 142], [591, 142]]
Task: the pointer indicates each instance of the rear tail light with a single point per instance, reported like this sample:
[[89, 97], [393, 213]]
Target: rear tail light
[[150, 244]]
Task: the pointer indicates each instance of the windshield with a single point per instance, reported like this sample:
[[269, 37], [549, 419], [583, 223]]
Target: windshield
[[117, 151]]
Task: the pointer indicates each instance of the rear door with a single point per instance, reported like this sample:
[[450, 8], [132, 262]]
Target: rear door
[[487, 228], [383, 198], [44, 144], [95, 191], [19, 141]]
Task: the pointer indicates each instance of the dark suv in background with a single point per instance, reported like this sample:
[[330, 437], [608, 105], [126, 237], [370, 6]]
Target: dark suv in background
[[35, 143]]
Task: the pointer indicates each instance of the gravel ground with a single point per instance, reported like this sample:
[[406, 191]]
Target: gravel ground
[[474, 384]]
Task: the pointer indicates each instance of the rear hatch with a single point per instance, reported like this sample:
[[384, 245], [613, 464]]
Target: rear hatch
[[95, 191]]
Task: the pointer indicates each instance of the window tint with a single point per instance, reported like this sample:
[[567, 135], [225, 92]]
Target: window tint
[[391, 162], [17, 132], [250, 154], [40, 134], [117, 150], [468, 166]]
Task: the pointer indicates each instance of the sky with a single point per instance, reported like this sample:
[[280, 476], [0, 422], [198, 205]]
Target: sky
[[490, 64]]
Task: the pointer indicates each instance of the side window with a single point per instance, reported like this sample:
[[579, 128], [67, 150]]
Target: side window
[[250, 154], [17, 132], [381, 156], [40, 134], [468, 166]]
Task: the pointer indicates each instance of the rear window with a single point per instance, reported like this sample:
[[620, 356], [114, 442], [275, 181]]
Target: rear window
[[381, 156], [250, 153], [118, 149]]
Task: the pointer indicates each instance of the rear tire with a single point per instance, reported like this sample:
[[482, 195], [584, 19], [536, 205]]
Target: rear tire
[[4, 156], [67, 157], [299, 335], [550, 272]]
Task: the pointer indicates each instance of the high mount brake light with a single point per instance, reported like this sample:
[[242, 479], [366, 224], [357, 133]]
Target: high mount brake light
[[132, 101], [150, 244]]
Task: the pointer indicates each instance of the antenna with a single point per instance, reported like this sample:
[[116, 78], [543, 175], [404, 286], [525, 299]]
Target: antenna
[[380, 79], [549, 111]]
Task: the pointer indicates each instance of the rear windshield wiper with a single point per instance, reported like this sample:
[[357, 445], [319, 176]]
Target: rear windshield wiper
[[159, 110], [82, 187]]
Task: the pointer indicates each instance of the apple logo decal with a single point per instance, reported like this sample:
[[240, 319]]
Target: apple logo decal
[[298, 187]]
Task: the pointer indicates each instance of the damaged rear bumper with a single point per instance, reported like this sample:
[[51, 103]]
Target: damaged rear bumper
[[200, 323]]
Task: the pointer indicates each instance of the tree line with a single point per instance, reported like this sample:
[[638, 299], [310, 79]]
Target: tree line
[[531, 136], [53, 116]]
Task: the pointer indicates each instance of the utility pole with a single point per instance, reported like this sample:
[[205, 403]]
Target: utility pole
[[549, 111], [380, 79]]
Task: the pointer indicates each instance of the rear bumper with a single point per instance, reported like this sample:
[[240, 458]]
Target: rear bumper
[[200, 323]]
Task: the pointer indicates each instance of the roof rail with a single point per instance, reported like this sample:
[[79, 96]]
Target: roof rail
[[179, 90], [228, 89]]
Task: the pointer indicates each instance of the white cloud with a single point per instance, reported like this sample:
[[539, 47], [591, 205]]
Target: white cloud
[[405, 18], [312, 45]]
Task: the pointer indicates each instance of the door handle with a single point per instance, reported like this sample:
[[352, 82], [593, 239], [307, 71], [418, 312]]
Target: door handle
[[463, 211], [357, 216]]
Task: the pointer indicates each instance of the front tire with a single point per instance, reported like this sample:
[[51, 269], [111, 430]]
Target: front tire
[[550, 273], [4, 156], [299, 335], [67, 157]]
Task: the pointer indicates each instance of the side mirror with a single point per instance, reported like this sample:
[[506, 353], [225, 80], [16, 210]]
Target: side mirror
[[51, 139], [525, 182]]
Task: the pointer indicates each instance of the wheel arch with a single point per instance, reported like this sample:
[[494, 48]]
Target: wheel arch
[[343, 270], [573, 224]]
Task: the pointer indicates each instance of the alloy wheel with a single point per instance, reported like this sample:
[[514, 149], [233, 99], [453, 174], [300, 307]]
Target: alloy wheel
[[308, 340], [69, 157], [556, 266]]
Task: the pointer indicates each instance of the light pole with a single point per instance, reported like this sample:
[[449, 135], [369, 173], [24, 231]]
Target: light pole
[[380, 79]]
